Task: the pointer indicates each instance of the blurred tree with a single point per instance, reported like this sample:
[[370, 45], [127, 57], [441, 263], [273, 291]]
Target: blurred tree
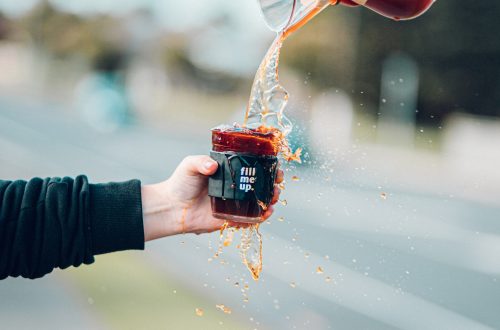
[[4, 26], [185, 72], [325, 49], [63, 34]]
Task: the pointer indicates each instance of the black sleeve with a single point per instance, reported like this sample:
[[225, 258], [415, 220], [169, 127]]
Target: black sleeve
[[54, 222]]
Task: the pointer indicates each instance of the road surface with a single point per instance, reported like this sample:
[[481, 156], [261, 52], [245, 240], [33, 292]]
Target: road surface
[[391, 258]]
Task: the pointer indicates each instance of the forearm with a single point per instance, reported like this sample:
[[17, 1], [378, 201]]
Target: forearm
[[56, 222], [43, 226], [115, 211], [161, 214]]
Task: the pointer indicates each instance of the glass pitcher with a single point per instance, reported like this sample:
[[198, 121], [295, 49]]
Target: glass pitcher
[[283, 14]]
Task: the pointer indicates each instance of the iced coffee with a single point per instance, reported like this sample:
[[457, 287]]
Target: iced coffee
[[242, 188]]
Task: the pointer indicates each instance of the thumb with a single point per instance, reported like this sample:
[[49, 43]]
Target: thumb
[[196, 165]]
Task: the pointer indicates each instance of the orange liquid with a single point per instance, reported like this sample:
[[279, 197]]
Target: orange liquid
[[268, 98], [267, 111], [315, 11], [266, 138]]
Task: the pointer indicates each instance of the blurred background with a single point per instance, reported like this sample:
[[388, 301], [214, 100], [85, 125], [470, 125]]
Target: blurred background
[[397, 201]]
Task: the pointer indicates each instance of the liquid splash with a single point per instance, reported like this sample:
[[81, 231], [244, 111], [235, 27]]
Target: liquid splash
[[251, 250], [221, 238], [268, 98], [250, 246], [229, 237], [265, 113]]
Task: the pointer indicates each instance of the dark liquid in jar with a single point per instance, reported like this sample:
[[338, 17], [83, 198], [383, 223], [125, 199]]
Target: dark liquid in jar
[[257, 142], [396, 9]]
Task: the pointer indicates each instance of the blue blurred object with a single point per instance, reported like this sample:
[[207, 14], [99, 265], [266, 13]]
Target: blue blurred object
[[101, 96], [102, 101]]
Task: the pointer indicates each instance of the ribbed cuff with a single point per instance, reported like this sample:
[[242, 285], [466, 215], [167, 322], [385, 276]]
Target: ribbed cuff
[[116, 217]]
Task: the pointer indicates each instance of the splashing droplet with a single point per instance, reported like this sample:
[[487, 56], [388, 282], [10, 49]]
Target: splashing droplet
[[199, 312], [293, 285], [383, 195], [221, 239], [223, 308], [229, 237]]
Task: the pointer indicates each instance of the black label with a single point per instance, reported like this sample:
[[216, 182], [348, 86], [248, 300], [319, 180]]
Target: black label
[[243, 177]]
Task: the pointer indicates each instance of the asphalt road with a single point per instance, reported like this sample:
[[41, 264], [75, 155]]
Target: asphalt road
[[413, 260]]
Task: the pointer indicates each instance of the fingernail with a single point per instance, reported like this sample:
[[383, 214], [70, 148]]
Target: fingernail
[[208, 165]]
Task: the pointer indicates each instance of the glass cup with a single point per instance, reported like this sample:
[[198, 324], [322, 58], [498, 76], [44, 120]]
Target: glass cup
[[282, 14], [242, 188]]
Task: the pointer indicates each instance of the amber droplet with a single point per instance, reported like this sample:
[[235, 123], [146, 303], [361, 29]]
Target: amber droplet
[[223, 308], [295, 156], [281, 219], [262, 205], [383, 195], [229, 237], [221, 239], [328, 279], [319, 270], [295, 178], [284, 202], [199, 311]]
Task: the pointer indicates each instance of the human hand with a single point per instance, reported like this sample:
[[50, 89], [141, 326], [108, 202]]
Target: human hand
[[181, 203]]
